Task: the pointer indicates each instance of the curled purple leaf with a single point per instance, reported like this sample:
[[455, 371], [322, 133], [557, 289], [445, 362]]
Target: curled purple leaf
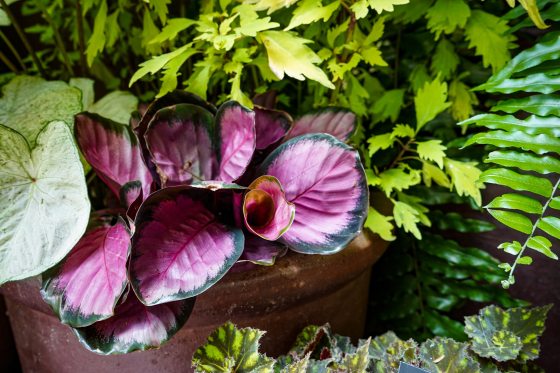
[[338, 122], [261, 252]]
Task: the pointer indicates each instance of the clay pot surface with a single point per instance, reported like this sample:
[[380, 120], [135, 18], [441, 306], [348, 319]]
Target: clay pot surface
[[299, 290]]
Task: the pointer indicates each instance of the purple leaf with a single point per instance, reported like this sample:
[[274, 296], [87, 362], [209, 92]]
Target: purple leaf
[[338, 122], [325, 180], [131, 196], [266, 100], [87, 286], [270, 126], [181, 246], [113, 151], [179, 141], [266, 211], [135, 327], [262, 252], [235, 126]]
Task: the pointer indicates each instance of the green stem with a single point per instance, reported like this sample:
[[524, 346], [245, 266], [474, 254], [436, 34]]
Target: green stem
[[58, 39], [23, 37], [81, 38], [520, 254], [8, 63], [13, 50], [397, 60], [399, 157]]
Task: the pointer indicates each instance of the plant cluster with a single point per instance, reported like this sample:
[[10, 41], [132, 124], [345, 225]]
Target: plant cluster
[[499, 341]]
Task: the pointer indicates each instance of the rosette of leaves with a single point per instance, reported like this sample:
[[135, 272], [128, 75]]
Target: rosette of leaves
[[190, 190], [420, 283], [498, 339], [523, 137]]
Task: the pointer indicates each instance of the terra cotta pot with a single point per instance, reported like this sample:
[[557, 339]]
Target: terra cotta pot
[[299, 290]]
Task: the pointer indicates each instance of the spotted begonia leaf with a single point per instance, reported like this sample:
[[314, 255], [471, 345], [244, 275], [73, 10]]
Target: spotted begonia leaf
[[266, 211], [230, 349], [179, 139], [338, 122], [181, 247], [44, 206], [135, 327], [85, 288], [326, 182], [29, 103], [113, 151], [270, 126], [496, 333], [235, 130], [444, 355]]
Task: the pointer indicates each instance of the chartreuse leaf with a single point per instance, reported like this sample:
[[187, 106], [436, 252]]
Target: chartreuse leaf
[[539, 144], [507, 334], [230, 349], [488, 35], [533, 10], [389, 105], [379, 142], [554, 203], [44, 202], [430, 100], [250, 23], [524, 161], [380, 224], [288, 54], [444, 355], [431, 172], [96, 41], [512, 201], [403, 130], [172, 29], [446, 15], [542, 245], [157, 63], [407, 217], [550, 225], [517, 181], [462, 100], [29, 103], [385, 5], [398, 179], [309, 11], [513, 220], [445, 60], [464, 176], [432, 150]]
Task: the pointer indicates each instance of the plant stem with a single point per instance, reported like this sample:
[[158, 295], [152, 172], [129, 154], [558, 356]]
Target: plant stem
[[520, 254], [13, 50], [81, 38], [58, 39], [397, 60], [23, 37], [399, 157], [8, 63]]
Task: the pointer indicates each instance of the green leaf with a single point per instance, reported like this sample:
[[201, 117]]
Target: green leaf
[[44, 200], [542, 105], [542, 245], [4, 19], [96, 42], [513, 220], [431, 172], [458, 223], [398, 179], [172, 29], [494, 330], [309, 11], [380, 224], [432, 150], [117, 106], [464, 176], [525, 260], [288, 54], [160, 7], [540, 144], [360, 8], [157, 63], [403, 130], [444, 355], [550, 225], [430, 100], [487, 34], [532, 125], [378, 346], [355, 362], [379, 142], [397, 351], [524, 161], [407, 217], [445, 60], [229, 349], [512, 248], [462, 100], [554, 203], [29, 103], [86, 87], [446, 15], [520, 202], [514, 180], [250, 23], [389, 105]]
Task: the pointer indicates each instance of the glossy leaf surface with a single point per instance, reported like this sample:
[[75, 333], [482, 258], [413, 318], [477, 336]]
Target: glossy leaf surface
[[337, 122]]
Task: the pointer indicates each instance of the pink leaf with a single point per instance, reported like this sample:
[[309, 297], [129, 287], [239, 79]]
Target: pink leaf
[[262, 252], [338, 122], [271, 126]]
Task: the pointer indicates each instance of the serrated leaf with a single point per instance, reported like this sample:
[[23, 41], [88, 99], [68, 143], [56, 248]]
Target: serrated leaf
[[550, 225], [525, 161], [389, 105], [520, 202], [379, 142], [403, 130], [446, 15], [432, 150], [542, 245], [514, 180], [513, 220], [540, 144], [430, 100], [380, 224], [172, 29], [250, 23], [431, 172], [288, 54], [464, 176], [355, 362], [45, 206], [493, 332], [230, 349], [445, 60], [407, 217], [462, 100], [157, 63], [398, 179], [487, 34], [309, 11], [96, 42], [385, 5], [444, 355]]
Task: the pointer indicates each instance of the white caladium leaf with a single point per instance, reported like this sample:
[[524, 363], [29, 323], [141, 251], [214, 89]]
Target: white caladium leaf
[[44, 206], [29, 103]]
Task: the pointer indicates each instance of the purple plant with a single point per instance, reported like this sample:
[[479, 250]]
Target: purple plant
[[200, 189]]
